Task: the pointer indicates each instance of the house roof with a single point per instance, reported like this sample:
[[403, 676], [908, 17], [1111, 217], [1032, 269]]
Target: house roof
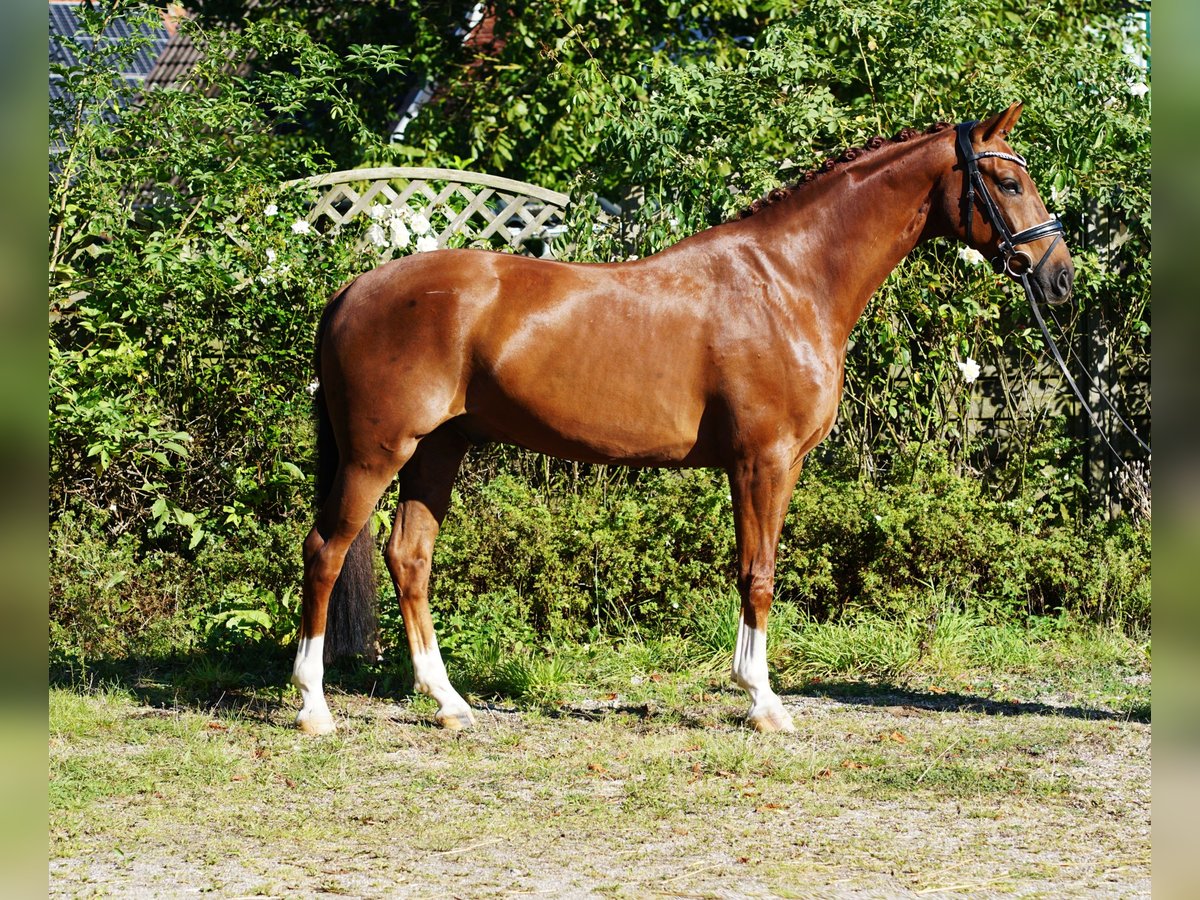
[[64, 22], [175, 63]]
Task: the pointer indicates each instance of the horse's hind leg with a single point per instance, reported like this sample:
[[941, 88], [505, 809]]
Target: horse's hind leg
[[425, 484], [356, 489]]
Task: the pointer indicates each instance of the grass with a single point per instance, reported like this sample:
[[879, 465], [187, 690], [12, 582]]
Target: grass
[[622, 769], [1058, 661]]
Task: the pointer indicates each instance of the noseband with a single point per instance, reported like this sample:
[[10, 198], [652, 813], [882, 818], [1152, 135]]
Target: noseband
[[1009, 242]]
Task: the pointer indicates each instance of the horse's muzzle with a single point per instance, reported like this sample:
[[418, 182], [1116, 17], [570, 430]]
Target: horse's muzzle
[[1056, 283]]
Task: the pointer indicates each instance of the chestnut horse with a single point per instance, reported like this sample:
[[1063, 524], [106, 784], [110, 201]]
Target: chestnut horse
[[725, 350]]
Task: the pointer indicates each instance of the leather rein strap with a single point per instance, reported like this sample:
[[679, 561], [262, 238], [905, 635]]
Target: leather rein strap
[[1008, 243]]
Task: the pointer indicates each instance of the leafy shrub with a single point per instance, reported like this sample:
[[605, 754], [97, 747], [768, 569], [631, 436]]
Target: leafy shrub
[[617, 550], [185, 281], [107, 601], [522, 561], [184, 290], [112, 598], [850, 547]]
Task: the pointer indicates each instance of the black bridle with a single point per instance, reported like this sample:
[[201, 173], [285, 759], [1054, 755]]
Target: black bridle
[[1008, 243], [1025, 270]]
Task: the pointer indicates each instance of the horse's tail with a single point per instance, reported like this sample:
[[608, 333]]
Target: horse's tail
[[351, 625]]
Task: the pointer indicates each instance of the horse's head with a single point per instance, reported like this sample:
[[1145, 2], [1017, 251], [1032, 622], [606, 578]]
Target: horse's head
[[993, 205]]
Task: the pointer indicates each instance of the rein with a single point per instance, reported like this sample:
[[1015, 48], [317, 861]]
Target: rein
[[1024, 269]]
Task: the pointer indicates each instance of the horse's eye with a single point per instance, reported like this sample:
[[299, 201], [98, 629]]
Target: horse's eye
[[1010, 186]]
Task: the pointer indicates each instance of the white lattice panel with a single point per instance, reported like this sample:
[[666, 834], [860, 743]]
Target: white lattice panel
[[464, 207]]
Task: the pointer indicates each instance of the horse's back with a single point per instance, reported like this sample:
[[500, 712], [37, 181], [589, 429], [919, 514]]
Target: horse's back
[[596, 362]]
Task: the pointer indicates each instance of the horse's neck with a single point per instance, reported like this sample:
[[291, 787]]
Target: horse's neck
[[840, 237]]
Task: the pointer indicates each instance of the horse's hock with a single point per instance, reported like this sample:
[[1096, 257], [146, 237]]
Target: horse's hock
[[453, 207]]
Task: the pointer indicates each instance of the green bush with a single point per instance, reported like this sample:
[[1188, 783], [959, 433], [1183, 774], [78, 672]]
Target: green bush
[[107, 600], [523, 560], [851, 546], [184, 291], [111, 597], [614, 552], [616, 549]]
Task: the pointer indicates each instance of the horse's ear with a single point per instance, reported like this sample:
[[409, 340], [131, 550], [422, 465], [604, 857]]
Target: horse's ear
[[999, 125]]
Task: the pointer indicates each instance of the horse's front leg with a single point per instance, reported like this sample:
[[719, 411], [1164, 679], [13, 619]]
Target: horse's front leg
[[761, 487]]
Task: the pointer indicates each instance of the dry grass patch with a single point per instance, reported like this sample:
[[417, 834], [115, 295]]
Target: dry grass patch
[[865, 799]]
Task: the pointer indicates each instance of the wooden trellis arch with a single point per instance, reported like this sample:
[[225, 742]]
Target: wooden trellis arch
[[479, 208]]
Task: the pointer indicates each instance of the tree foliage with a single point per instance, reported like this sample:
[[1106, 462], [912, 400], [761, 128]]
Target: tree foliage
[[181, 301], [184, 288]]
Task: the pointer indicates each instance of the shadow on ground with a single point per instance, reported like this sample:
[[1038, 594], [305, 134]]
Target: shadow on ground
[[250, 684], [253, 685], [889, 695]]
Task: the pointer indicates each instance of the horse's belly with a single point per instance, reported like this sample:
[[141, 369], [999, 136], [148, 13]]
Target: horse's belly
[[574, 414]]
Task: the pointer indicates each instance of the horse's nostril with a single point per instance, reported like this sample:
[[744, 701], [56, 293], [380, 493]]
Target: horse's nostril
[[1063, 285]]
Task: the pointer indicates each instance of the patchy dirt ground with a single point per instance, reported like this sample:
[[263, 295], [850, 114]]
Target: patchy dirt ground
[[875, 795]]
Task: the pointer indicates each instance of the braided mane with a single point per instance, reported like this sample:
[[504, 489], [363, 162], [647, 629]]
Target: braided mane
[[848, 155]]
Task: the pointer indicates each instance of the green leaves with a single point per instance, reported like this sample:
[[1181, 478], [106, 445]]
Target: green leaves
[[182, 312]]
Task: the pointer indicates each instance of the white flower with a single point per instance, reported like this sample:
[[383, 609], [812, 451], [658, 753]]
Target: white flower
[[379, 211], [400, 235], [1138, 89], [970, 370], [971, 256], [376, 236], [426, 243], [270, 255], [270, 209], [420, 224], [301, 226], [314, 385]]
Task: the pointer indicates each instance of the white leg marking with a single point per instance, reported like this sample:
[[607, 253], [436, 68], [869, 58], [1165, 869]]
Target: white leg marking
[[307, 674], [750, 672], [429, 677]]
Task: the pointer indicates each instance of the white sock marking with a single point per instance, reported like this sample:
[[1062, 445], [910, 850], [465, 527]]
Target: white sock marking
[[307, 674], [750, 660], [429, 677], [750, 672]]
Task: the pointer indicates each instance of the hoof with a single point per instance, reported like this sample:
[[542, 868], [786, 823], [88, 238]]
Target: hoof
[[455, 721], [772, 720], [315, 724]]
